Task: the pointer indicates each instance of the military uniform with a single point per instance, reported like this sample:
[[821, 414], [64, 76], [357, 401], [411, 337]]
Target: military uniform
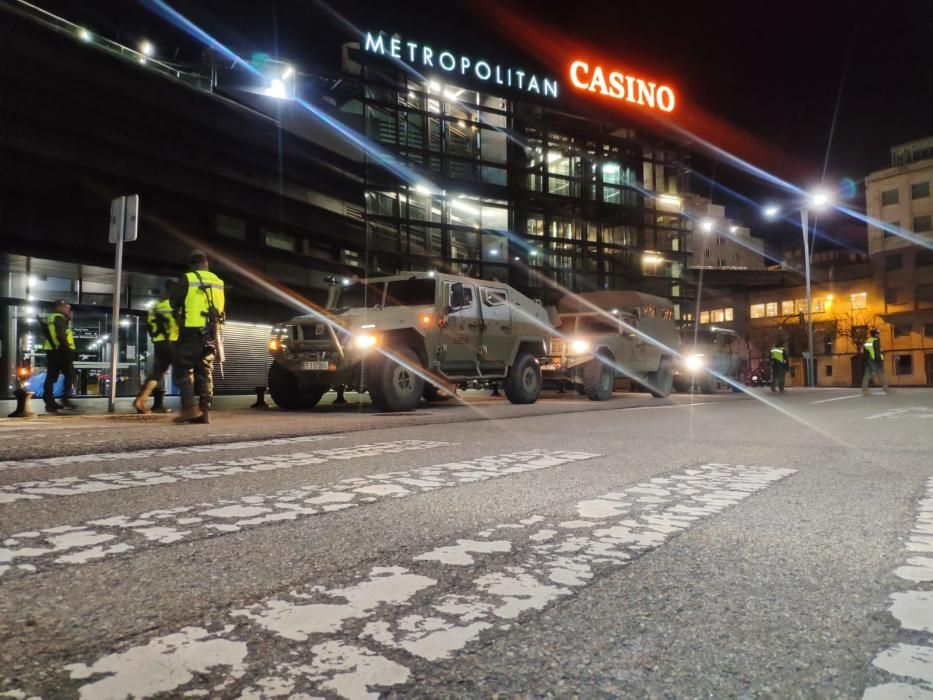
[[874, 364], [194, 299], [59, 348], [778, 368], [163, 329]]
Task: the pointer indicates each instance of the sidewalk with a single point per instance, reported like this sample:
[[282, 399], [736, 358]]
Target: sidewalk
[[124, 404]]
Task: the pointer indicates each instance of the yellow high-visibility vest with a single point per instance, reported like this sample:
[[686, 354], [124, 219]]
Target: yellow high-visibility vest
[[872, 349], [777, 354], [201, 293], [56, 342], [160, 317]]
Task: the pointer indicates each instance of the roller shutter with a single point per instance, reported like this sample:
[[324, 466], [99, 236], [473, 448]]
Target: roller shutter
[[248, 358]]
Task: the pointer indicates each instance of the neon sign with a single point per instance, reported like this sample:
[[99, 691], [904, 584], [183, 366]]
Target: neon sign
[[619, 86], [413, 53]]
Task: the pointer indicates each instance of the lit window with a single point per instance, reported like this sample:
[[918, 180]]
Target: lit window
[[819, 306], [859, 300], [800, 306], [717, 316], [756, 311], [787, 308], [704, 317], [728, 314], [771, 308]]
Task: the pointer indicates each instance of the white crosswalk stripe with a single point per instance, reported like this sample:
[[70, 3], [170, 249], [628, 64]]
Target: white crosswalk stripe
[[368, 635], [36, 550], [113, 481], [913, 609]]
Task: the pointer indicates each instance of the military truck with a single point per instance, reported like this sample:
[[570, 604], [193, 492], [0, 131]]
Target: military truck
[[706, 356], [411, 336], [609, 335]]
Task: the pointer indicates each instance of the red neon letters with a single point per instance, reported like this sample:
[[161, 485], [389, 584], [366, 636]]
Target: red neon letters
[[621, 87]]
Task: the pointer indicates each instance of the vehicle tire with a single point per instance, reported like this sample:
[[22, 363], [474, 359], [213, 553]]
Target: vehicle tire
[[289, 394], [662, 380], [523, 383], [707, 384], [433, 393], [393, 387], [681, 386], [581, 390], [598, 379]]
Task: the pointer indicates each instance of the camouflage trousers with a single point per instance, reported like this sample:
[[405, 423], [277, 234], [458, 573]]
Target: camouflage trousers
[[193, 367]]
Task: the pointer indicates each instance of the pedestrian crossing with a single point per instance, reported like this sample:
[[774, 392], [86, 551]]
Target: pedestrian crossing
[[369, 634]]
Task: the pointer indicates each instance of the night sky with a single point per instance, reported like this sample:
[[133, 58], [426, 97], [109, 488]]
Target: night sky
[[769, 76]]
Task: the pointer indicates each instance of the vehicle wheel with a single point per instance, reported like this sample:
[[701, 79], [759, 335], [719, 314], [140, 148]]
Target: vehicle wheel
[[707, 385], [681, 386], [433, 393], [735, 389], [597, 380], [393, 387], [581, 390], [523, 383], [662, 381], [289, 394]]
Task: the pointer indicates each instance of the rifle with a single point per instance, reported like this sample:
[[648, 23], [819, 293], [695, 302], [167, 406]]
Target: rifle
[[45, 332]]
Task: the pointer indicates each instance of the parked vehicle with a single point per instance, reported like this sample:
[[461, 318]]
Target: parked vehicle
[[707, 355], [609, 335], [413, 335]]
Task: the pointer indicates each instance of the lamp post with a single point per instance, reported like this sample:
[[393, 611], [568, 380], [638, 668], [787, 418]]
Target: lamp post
[[817, 200]]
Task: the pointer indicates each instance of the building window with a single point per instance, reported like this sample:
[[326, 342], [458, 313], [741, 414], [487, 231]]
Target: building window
[[923, 258], [928, 330], [888, 226], [720, 262], [829, 370], [924, 292], [756, 311], [890, 295], [859, 300], [787, 308], [893, 262], [889, 197], [903, 364], [800, 306], [923, 224], [230, 226], [717, 316], [282, 241], [704, 317], [728, 314], [902, 330], [819, 306], [720, 240], [706, 254], [919, 190], [771, 308]]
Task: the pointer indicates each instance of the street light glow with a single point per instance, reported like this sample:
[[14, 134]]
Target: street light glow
[[276, 90], [706, 225], [819, 199], [146, 48], [288, 72], [733, 229], [771, 212], [84, 34]]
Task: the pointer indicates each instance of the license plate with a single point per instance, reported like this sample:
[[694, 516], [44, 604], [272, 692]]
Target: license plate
[[316, 365], [549, 367]]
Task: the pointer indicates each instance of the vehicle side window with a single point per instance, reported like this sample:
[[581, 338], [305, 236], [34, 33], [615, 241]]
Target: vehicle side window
[[467, 297], [494, 297]]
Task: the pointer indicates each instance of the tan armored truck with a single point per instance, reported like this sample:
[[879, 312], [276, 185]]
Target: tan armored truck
[[411, 336], [708, 357], [604, 336]]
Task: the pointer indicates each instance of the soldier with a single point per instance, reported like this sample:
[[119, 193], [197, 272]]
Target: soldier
[[779, 366], [59, 347], [874, 363], [163, 330], [198, 302]]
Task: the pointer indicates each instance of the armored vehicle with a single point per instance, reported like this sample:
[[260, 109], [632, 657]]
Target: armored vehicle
[[412, 335], [708, 355], [604, 336]]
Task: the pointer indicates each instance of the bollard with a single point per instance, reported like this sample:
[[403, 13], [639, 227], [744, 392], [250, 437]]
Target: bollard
[[22, 404], [260, 398], [340, 401], [158, 395]]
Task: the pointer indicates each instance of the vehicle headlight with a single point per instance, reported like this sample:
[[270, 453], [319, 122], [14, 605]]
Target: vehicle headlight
[[580, 346], [365, 341], [695, 362], [274, 344]]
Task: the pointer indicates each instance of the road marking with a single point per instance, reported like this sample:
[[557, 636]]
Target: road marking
[[112, 481], [38, 550], [913, 609], [910, 412], [838, 398], [157, 453], [369, 635]]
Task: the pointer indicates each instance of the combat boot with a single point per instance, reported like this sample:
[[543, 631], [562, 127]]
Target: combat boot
[[205, 406], [158, 396], [139, 403], [190, 414]]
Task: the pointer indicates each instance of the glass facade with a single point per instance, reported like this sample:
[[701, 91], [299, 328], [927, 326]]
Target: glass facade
[[516, 192]]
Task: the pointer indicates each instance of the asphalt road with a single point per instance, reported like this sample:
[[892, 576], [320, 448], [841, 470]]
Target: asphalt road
[[731, 546]]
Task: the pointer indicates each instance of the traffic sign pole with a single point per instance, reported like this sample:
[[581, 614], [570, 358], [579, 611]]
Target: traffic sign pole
[[124, 216]]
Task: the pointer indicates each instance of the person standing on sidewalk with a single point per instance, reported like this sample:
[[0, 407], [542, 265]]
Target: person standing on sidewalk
[[778, 366], [59, 347], [163, 330], [198, 302], [874, 363]]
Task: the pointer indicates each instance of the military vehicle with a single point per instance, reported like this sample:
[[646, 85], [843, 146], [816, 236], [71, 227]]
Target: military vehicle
[[709, 352], [412, 335], [604, 336]]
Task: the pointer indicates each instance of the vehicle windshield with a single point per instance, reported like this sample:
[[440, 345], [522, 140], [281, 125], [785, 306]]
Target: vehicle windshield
[[413, 292], [710, 338], [590, 325]]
